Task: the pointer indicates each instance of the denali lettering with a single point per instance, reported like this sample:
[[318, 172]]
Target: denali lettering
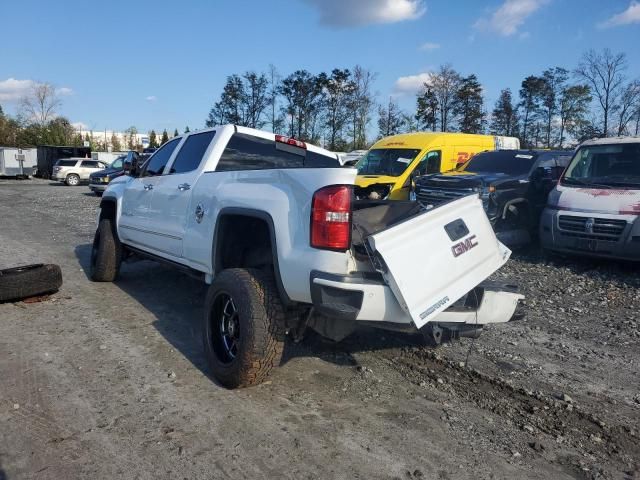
[[434, 307], [464, 246]]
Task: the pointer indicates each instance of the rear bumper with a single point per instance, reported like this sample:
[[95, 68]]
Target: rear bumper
[[366, 298], [625, 246]]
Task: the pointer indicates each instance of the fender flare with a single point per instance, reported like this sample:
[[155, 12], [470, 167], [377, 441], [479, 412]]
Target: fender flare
[[266, 217]]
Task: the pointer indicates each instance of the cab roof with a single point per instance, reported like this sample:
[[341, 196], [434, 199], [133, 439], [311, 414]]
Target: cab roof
[[610, 140], [420, 139]]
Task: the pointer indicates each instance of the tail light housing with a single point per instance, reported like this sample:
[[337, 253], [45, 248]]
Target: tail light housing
[[331, 218]]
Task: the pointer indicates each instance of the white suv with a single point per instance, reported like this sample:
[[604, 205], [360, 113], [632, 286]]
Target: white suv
[[72, 171]]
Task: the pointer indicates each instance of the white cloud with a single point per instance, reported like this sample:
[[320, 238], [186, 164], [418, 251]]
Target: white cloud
[[151, 98], [411, 84], [629, 16], [64, 91], [429, 46], [12, 90], [509, 16], [80, 126], [344, 13]]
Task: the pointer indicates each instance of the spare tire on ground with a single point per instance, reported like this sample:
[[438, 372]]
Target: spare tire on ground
[[29, 281]]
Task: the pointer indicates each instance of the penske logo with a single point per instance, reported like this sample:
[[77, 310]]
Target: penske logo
[[464, 246]]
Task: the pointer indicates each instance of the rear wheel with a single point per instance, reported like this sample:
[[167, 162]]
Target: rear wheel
[[243, 327], [106, 253], [72, 180]]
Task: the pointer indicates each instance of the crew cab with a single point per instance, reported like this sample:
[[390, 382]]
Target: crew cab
[[270, 223], [595, 208], [513, 186]]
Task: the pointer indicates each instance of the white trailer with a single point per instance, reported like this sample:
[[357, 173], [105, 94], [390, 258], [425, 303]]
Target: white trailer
[[17, 162]]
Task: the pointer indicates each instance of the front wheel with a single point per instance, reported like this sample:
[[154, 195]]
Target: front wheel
[[106, 253], [243, 327], [72, 180]]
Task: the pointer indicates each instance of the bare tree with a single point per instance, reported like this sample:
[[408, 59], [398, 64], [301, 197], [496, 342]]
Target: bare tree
[[604, 73], [628, 106], [361, 105], [445, 84], [40, 104]]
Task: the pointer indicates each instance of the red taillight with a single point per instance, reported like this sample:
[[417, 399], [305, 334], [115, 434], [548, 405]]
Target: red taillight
[[290, 141], [331, 218]]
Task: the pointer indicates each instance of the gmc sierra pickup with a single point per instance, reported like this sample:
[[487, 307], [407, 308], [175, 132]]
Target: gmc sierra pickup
[[270, 223]]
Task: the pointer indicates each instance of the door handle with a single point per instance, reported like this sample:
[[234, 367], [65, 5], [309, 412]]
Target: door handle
[[148, 187], [184, 186]]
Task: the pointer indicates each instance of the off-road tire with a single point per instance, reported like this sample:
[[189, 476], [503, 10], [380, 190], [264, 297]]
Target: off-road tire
[[29, 281], [72, 180], [261, 320], [106, 253]]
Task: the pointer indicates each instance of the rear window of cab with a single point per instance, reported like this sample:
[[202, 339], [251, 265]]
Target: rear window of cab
[[246, 152]]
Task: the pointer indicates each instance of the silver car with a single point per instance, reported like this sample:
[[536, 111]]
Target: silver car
[[72, 171]]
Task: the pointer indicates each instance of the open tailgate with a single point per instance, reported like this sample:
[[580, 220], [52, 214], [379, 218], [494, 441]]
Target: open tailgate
[[433, 259]]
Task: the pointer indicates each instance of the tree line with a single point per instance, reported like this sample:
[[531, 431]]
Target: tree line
[[594, 99], [334, 109], [338, 109], [38, 123]]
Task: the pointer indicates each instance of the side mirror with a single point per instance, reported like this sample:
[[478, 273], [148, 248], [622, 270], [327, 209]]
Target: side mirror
[[129, 168]]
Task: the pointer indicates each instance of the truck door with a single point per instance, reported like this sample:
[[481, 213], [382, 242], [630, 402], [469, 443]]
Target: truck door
[[136, 199], [171, 201]]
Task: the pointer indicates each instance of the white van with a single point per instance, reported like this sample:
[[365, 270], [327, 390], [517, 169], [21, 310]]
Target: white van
[[594, 208]]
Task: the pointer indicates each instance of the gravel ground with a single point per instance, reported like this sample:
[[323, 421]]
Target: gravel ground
[[109, 381]]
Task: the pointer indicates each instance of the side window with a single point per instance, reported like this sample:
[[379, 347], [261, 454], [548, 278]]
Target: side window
[[90, 164], [429, 164], [159, 160], [191, 152]]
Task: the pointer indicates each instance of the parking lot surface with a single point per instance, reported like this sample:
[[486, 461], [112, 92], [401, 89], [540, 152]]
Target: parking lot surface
[[109, 380]]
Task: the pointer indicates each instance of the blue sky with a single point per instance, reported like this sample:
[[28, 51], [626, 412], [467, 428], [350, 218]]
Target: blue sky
[[162, 64]]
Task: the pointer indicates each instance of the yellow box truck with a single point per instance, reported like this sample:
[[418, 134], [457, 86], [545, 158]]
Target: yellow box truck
[[387, 169]]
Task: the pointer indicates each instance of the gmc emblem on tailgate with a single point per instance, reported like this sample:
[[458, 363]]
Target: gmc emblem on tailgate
[[464, 246]]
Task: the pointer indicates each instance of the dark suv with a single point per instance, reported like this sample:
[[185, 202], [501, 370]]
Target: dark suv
[[513, 186], [99, 181]]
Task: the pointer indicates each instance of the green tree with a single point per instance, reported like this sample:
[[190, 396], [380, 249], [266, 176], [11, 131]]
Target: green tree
[[574, 105], [131, 135], [530, 99], [116, 146], [304, 95], [427, 109], [175, 133], [339, 89], [390, 119], [186, 129], [229, 109], [504, 119], [554, 82], [165, 137], [153, 139], [468, 105], [9, 130]]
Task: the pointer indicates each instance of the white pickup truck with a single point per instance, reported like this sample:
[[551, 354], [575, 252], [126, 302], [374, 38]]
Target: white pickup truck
[[271, 224]]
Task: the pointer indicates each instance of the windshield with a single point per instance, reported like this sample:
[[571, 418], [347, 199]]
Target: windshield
[[386, 161], [118, 162], [507, 162], [605, 165]]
